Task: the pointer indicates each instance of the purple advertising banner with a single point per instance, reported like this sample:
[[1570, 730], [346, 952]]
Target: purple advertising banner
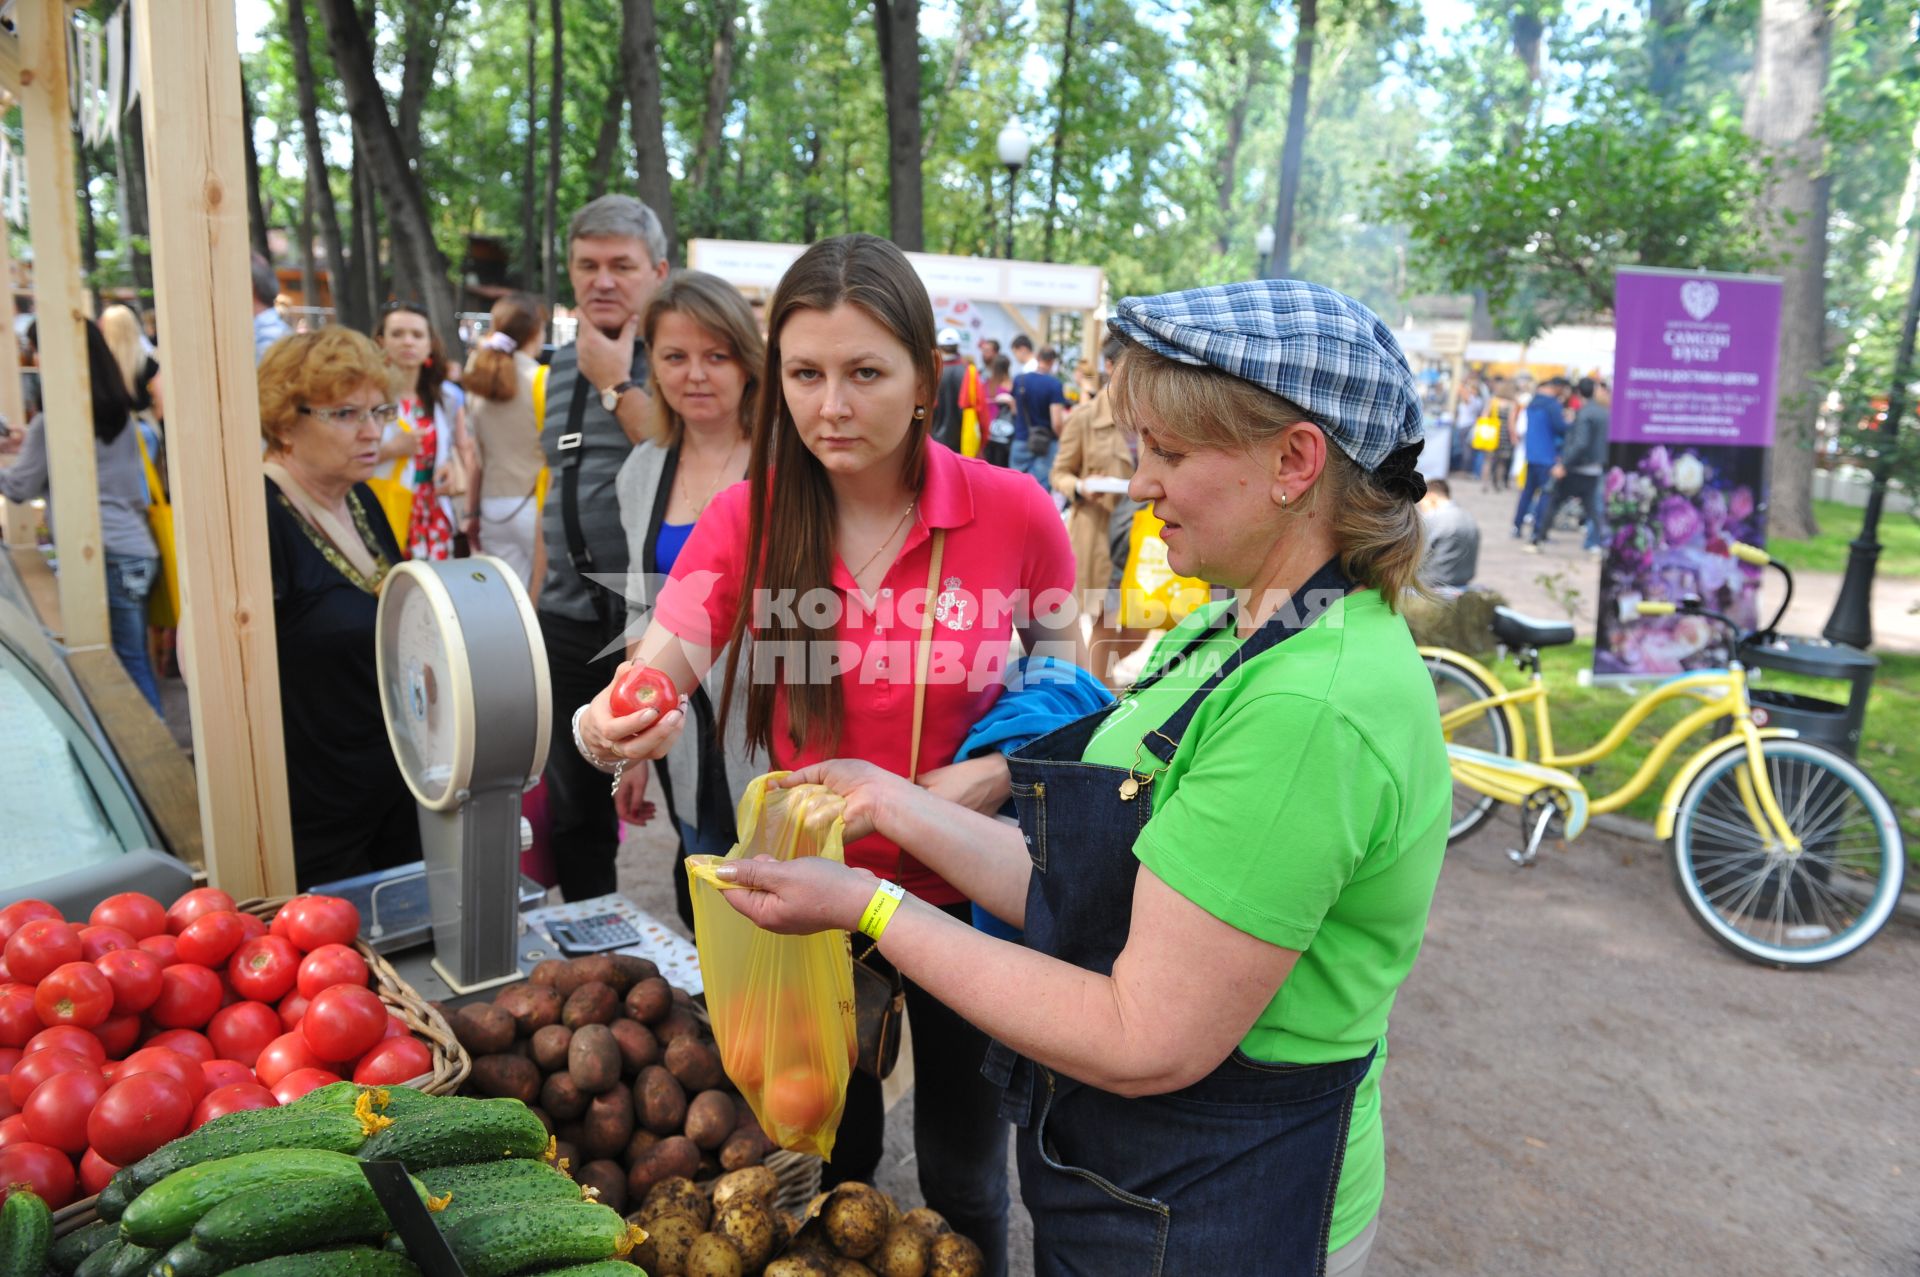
[[1690, 426]]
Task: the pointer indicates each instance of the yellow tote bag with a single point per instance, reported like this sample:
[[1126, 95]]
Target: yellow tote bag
[[970, 414], [540, 424], [1486, 433], [1152, 595], [163, 604], [395, 494]]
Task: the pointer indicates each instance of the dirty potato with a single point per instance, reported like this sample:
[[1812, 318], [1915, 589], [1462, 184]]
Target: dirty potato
[[749, 1225], [952, 1255], [904, 1253], [676, 1193], [712, 1255], [669, 1239], [856, 1218], [755, 1181]]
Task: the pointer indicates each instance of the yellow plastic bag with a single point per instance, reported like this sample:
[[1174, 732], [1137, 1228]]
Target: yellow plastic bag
[[1152, 595], [782, 1006], [163, 603]]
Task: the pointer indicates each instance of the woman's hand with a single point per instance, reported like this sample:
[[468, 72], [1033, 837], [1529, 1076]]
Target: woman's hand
[[872, 793], [798, 897], [978, 783], [636, 737], [630, 795]]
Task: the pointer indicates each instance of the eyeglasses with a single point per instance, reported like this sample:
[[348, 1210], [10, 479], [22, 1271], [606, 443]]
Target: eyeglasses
[[381, 414]]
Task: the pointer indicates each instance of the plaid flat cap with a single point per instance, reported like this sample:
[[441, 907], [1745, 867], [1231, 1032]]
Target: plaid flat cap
[[1310, 345]]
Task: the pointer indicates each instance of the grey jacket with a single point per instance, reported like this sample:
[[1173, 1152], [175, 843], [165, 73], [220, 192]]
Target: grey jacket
[[1585, 448]]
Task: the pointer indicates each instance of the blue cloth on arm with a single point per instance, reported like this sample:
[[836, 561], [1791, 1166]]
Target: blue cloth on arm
[[667, 546]]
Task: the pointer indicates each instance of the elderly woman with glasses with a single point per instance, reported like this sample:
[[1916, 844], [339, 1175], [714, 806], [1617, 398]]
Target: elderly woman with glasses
[[325, 400]]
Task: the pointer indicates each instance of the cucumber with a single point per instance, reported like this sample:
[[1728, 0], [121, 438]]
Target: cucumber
[[97, 1264], [459, 1130], [26, 1235], [342, 1261], [519, 1238], [599, 1268], [248, 1132], [482, 1185], [297, 1217], [187, 1260], [114, 1197], [133, 1260], [167, 1212], [71, 1251], [342, 1096]]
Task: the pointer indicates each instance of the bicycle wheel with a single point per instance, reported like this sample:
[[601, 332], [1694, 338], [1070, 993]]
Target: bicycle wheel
[[1456, 687], [1789, 909]]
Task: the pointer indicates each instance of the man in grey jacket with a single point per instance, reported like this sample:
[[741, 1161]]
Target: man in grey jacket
[[1582, 463]]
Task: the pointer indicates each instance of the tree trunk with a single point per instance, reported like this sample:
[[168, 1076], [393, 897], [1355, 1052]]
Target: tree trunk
[[971, 21], [256, 216], [129, 158], [89, 231], [309, 268], [530, 185], [408, 222], [1783, 117], [350, 301], [556, 126], [640, 51], [1293, 150], [896, 28], [810, 203], [366, 236], [1230, 153], [1670, 31], [420, 51], [608, 142], [1059, 133], [719, 94]]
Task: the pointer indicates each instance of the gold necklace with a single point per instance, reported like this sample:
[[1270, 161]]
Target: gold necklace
[[883, 545], [726, 467]]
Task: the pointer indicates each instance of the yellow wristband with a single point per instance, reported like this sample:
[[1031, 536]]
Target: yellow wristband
[[879, 910]]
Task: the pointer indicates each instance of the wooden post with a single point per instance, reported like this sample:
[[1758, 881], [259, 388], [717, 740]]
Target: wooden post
[[20, 520], [67, 401], [190, 100]]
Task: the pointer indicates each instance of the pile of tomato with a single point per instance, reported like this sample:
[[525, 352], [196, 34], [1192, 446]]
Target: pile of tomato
[[136, 1026]]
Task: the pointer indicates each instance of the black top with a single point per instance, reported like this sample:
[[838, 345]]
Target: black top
[[352, 812], [947, 419]]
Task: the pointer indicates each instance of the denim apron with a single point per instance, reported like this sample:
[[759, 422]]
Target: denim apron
[[1233, 1174]]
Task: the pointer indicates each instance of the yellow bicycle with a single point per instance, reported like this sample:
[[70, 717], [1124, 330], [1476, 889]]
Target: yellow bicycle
[[1784, 850]]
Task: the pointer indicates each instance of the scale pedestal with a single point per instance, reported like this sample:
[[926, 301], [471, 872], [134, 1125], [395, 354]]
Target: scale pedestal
[[459, 647]]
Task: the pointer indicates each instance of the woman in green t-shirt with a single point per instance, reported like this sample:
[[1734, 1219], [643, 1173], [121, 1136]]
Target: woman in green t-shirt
[[1223, 879]]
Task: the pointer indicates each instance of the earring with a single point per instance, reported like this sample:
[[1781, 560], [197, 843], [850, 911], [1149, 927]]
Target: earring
[[919, 412], [1283, 500]]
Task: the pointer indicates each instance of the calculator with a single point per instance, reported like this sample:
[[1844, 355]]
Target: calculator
[[597, 934]]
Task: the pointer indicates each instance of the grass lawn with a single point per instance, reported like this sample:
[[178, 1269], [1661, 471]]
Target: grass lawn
[[1899, 536], [1890, 748]]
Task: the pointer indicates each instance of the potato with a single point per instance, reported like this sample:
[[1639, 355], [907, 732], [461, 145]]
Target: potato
[[797, 1265], [674, 1155], [570, 1134], [929, 1221], [710, 1120], [841, 1266], [532, 1006], [696, 1064], [630, 971], [678, 1023], [856, 1219], [606, 1178], [566, 1153], [676, 1193], [506, 1077], [561, 1096], [952, 1255], [749, 1225], [593, 1003], [549, 1046], [669, 1239], [754, 1181], [660, 1101], [638, 1046], [712, 1255], [903, 1253], [609, 1124], [546, 1118], [744, 1149], [649, 1000], [643, 1139], [547, 972], [593, 1059], [483, 1029], [595, 967]]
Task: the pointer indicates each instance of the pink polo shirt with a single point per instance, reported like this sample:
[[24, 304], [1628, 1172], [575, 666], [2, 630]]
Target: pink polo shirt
[[1007, 557]]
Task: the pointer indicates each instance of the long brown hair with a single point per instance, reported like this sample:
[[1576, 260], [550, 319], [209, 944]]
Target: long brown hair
[[433, 373], [493, 374], [718, 307], [789, 491]]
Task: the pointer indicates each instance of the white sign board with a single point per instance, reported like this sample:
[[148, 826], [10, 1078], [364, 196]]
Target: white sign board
[[756, 265]]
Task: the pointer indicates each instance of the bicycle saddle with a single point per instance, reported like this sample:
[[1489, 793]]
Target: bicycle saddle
[[1517, 631]]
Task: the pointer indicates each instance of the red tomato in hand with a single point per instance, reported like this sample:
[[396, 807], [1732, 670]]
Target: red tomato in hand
[[177, 1065], [65, 1037], [264, 969], [138, 1114], [47, 1171], [195, 1046], [393, 1061], [300, 1081], [135, 977], [288, 1053], [119, 1034], [344, 1022], [196, 902], [75, 994], [18, 1020], [321, 920], [237, 1098], [134, 912], [95, 1171], [95, 941], [293, 1008], [165, 949], [20, 913], [189, 995], [240, 1032], [642, 687], [57, 1110], [219, 1073], [329, 965], [41, 945], [210, 939], [38, 1068]]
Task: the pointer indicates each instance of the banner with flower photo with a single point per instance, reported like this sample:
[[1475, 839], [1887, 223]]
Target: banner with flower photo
[[1695, 357]]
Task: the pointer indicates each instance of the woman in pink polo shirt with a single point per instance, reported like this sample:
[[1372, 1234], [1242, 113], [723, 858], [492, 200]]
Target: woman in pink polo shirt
[[823, 558]]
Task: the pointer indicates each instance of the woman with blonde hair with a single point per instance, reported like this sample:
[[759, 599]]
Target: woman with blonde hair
[[502, 513], [138, 368]]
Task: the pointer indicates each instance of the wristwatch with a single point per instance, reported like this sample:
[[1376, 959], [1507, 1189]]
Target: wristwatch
[[611, 395]]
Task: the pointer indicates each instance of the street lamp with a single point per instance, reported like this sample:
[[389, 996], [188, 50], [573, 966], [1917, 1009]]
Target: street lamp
[[1263, 245], [1014, 147]]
